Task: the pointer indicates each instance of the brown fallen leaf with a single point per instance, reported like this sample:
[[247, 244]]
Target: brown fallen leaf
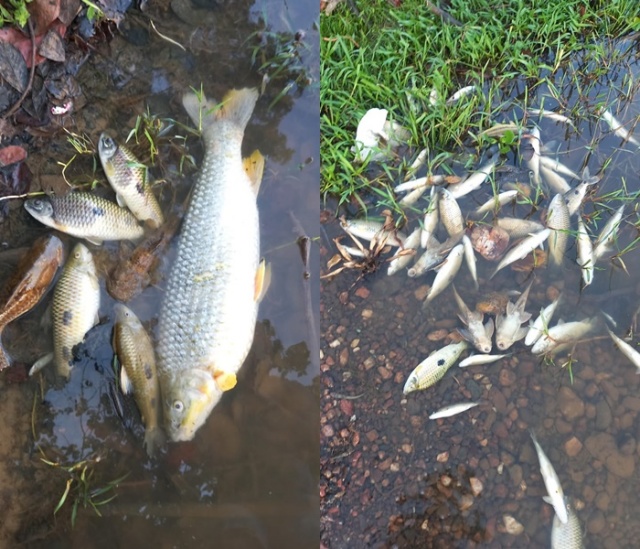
[[11, 154]]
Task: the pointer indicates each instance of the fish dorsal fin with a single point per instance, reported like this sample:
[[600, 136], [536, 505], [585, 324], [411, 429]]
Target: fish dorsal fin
[[254, 166], [125, 382], [262, 281], [511, 308]]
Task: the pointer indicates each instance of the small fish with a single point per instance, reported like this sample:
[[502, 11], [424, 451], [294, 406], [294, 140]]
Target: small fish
[[585, 253], [608, 235], [427, 181], [522, 249], [470, 258], [563, 335], [420, 161], [446, 273], [534, 162], [626, 349], [558, 220], [76, 300], [569, 535], [431, 218], [518, 228], [557, 183], [404, 256], [617, 127], [453, 409], [496, 202], [433, 256], [411, 198], [460, 94], [551, 115], [558, 167], [536, 329], [575, 197], [508, 325], [551, 482], [129, 179], [477, 333], [476, 360], [475, 180], [432, 369], [450, 213], [368, 230], [30, 281], [138, 371], [85, 215]]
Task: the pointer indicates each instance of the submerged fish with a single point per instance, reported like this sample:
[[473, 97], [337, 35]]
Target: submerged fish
[[453, 409], [404, 257], [431, 217], [509, 327], [568, 535], [432, 369], [138, 371], [534, 162], [129, 179], [607, 236], [208, 314], [585, 253], [496, 202], [76, 300], [561, 336], [522, 249], [85, 215], [450, 213], [617, 127], [475, 180], [433, 256], [540, 324], [551, 482], [518, 228], [477, 360], [627, 350], [558, 220], [476, 332], [29, 282], [446, 273]]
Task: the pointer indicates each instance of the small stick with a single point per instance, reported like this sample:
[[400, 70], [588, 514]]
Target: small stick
[[16, 106], [441, 13]]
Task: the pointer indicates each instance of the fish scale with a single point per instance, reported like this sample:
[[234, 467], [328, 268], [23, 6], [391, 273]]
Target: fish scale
[[209, 311]]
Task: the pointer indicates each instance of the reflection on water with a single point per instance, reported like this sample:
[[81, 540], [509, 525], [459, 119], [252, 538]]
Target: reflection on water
[[390, 477], [249, 478]]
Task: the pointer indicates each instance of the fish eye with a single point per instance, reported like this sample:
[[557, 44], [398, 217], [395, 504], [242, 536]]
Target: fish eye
[[178, 406]]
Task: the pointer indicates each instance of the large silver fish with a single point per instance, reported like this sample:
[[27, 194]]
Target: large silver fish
[[569, 535], [209, 311]]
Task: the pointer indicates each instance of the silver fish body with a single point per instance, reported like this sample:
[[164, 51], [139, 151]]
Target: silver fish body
[[453, 410], [411, 243], [432, 369], [369, 230], [618, 128], [534, 162], [76, 300], [585, 253], [575, 197], [541, 323], [209, 310], [433, 256], [559, 222], [518, 228], [450, 213], [446, 273], [477, 360], [431, 217], [476, 333], [569, 535], [557, 183], [551, 482], [522, 249], [496, 202], [607, 235], [561, 336], [558, 167], [509, 327], [627, 350], [85, 215], [475, 180]]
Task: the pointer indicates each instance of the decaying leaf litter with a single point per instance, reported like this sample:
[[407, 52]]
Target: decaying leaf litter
[[572, 245]]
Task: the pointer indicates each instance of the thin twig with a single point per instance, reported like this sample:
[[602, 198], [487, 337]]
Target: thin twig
[[441, 13], [16, 106]]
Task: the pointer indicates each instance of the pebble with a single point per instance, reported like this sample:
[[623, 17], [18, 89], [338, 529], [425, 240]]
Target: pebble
[[466, 502], [421, 292], [512, 526], [476, 486], [604, 416], [344, 356], [442, 457], [362, 292], [603, 447], [367, 313], [327, 431], [570, 404], [507, 377], [573, 446], [596, 523], [437, 335]]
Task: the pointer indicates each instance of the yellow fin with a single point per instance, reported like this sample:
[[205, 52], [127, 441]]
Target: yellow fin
[[263, 280], [125, 382], [254, 166], [225, 380]]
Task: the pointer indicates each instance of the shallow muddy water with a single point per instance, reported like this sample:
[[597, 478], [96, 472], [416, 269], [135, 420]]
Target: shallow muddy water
[[249, 478], [390, 477]]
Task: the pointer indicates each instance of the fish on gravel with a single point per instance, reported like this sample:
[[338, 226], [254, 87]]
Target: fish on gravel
[[476, 333], [446, 273], [627, 350], [551, 482], [567, 535], [138, 373], [477, 360], [509, 327], [208, 314], [453, 409], [130, 180], [585, 253], [540, 324], [432, 369], [76, 300], [522, 249], [29, 283], [85, 215], [563, 335]]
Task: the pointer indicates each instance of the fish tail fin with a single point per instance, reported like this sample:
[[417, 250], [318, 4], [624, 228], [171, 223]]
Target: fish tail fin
[[153, 438], [4, 359], [236, 109]]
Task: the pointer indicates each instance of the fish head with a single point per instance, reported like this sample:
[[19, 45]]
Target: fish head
[[411, 384], [107, 147], [483, 344], [187, 404], [503, 344], [40, 208]]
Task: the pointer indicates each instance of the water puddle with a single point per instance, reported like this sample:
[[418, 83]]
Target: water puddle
[[390, 476], [249, 478]]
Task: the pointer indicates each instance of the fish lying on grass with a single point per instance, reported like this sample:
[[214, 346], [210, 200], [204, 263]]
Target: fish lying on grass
[[432, 369], [627, 350], [208, 314], [567, 535], [76, 300], [85, 215], [30, 281], [129, 179], [138, 371], [551, 482], [453, 409]]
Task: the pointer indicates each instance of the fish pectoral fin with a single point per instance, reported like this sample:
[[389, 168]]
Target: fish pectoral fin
[[520, 333], [254, 166], [225, 380], [465, 334], [262, 280], [40, 363], [125, 382], [120, 201], [95, 241], [547, 499]]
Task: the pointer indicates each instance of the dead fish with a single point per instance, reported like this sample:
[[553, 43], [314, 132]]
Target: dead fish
[[522, 249], [476, 360], [368, 230], [626, 349], [563, 335], [557, 183], [508, 325], [470, 259], [551, 115], [411, 198], [518, 228], [433, 256], [558, 167], [540, 324], [617, 127], [585, 253], [551, 482], [534, 162], [569, 535], [446, 273], [404, 256], [431, 218], [30, 282], [432, 369], [496, 202], [559, 222], [575, 197], [420, 161], [450, 213], [427, 181], [475, 180], [607, 236], [476, 332], [462, 92], [453, 409]]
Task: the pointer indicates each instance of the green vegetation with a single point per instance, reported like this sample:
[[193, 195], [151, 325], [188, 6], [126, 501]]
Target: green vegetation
[[520, 54], [14, 12]]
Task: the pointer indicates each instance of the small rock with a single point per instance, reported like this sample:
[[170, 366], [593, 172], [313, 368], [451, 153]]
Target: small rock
[[344, 356], [507, 377], [603, 415], [602, 501], [512, 526], [621, 465], [570, 404], [596, 523], [347, 407], [573, 446], [371, 435], [421, 292], [327, 431], [384, 372], [476, 486], [466, 502], [446, 480], [367, 313], [437, 335], [442, 457], [362, 292], [515, 472]]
